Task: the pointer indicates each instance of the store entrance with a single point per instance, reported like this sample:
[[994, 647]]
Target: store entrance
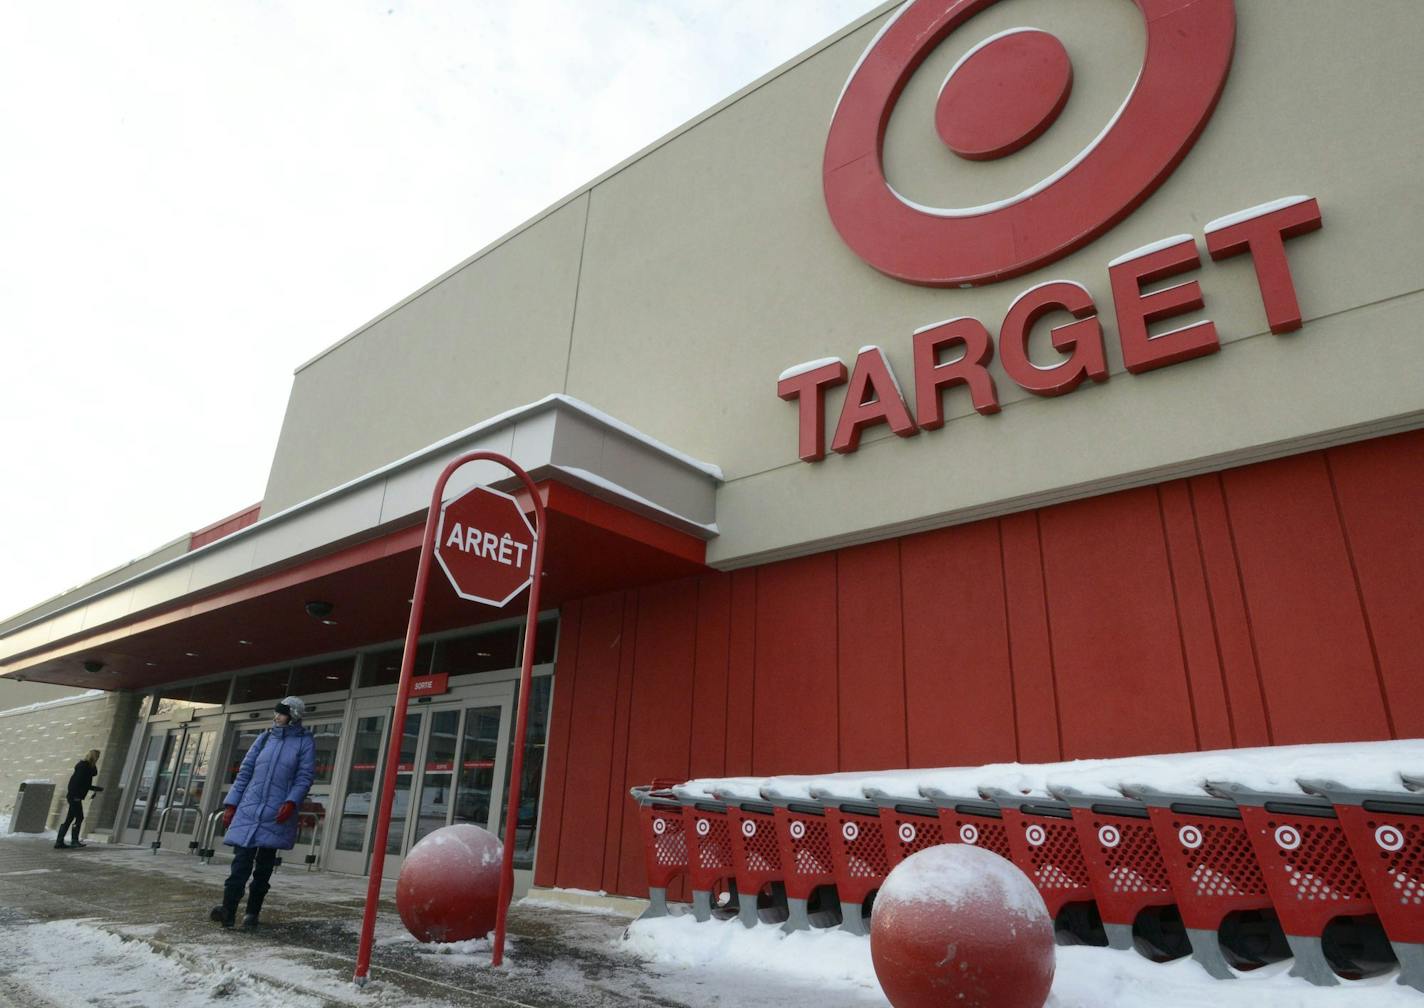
[[173, 780], [451, 770]]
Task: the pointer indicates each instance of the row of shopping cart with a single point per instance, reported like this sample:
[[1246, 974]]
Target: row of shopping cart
[[1330, 876]]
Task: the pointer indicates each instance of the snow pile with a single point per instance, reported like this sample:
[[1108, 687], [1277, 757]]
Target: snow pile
[[830, 958], [837, 966], [1375, 766], [70, 962]]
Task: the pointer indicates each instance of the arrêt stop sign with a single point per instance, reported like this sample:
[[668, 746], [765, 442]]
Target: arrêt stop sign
[[486, 546]]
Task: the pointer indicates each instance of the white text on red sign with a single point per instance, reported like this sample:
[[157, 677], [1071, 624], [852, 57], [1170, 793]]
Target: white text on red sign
[[503, 549]]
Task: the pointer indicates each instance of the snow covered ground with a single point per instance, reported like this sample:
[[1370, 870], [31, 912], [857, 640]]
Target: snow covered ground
[[838, 965], [76, 963]]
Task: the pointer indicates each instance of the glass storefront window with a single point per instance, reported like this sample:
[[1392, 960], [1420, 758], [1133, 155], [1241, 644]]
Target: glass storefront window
[[383, 667], [531, 774], [438, 776], [360, 803], [270, 685], [483, 652], [546, 639], [210, 694], [326, 736], [477, 760], [197, 758], [147, 777], [334, 675]]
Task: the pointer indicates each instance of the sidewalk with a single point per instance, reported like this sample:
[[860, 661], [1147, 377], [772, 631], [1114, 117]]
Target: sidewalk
[[121, 925]]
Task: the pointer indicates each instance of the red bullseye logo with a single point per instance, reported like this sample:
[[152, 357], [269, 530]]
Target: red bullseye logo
[[1389, 838], [1000, 97]]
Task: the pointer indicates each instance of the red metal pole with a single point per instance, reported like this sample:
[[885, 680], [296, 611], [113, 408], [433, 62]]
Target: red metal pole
[[412, 638], [511, 822]]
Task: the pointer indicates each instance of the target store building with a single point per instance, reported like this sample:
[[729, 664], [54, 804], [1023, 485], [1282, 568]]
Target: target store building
[[994, 381]]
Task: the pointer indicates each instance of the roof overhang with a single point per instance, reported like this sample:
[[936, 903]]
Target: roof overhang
[[623, 510]]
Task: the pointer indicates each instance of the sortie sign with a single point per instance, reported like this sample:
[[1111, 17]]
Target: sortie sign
[[485, 545]]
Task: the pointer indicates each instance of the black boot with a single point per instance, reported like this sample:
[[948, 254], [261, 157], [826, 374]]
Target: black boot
[[60, 844], [254, 908], [225, 913]]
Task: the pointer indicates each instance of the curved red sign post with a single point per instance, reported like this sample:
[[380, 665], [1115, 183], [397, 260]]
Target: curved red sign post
[[485, 507]]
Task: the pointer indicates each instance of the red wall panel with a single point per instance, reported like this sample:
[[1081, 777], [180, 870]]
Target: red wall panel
[[741, 673], [796, 712], [1274, 603], [660, 712], [709, 676], [959, 687], [1117, 653], [1200, 650], [1380, 488], [870, 657], [1030, 647], [561, 718], [591, 735], [1304, 608], [1228, 606]]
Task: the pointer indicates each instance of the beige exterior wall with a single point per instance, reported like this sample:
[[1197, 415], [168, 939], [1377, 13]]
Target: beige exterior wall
[[709, 264], [44, 743], [674, 289]]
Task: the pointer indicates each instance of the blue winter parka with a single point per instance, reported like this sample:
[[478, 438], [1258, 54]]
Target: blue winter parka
[[278, 768]]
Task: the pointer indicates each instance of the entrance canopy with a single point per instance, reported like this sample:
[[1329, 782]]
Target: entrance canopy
[[623, 510]]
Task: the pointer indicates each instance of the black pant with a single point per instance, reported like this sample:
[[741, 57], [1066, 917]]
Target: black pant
[[76, 816], [243, 859]]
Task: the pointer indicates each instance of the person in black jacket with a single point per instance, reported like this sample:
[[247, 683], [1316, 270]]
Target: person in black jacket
[[81, 783]]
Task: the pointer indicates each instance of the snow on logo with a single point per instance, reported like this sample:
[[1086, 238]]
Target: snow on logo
[[850, 831], [1287, 837], [1389, 838], [659, 827], [907, 832], [1109, 836], [969, 833], [748, 828], [798, 829], [1036, 835], [1190, 837], [703, 827]]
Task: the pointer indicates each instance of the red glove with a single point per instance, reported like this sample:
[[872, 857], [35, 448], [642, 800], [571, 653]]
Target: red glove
[[228, 812], [285, 812]]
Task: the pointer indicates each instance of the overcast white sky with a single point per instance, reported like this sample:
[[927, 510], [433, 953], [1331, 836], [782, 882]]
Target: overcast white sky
[[197, 196]]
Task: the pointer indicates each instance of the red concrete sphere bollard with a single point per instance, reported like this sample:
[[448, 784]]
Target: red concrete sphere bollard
[[959, 925], [449, 884]]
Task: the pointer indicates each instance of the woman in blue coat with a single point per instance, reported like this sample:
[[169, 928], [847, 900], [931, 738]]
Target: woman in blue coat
[[260, 814]]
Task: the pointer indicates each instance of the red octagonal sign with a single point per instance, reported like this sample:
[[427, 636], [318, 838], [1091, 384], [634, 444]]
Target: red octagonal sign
[[486, 546]]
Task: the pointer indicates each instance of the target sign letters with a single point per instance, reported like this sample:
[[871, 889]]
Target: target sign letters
[[485, 545], [999, 98]]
